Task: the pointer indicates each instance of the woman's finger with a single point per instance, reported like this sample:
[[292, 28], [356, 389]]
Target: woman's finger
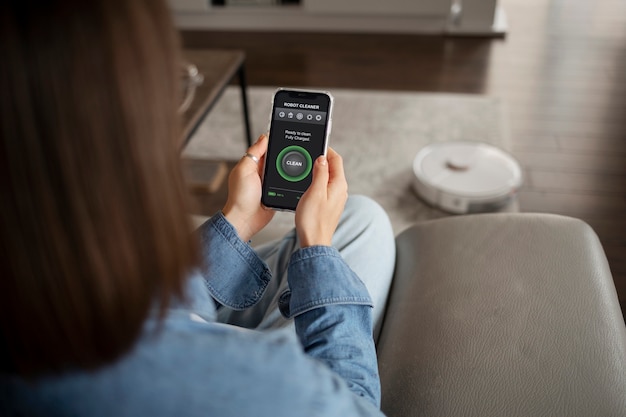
[[260, 166], [259, 148], [255, 152]]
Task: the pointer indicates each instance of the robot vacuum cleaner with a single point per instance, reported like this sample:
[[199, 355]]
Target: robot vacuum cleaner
[[466, 177]]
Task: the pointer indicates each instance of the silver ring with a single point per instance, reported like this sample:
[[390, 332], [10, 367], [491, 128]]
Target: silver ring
[[254, 158]]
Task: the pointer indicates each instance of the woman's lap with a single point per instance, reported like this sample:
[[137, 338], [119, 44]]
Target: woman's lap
[[364, 238]]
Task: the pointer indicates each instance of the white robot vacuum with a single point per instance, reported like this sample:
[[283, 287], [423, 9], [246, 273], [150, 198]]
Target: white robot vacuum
[[466, 177]]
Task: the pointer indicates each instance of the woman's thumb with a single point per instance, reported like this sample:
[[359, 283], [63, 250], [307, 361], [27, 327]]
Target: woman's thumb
[[320, 174]]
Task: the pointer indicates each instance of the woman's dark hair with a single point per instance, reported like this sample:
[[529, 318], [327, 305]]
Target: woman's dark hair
[[94, 228]]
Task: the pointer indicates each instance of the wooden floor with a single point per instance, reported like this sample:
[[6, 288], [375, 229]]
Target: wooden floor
[[561, 70]]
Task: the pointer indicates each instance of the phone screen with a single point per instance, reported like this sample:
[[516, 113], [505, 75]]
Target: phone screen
[[298, 135]]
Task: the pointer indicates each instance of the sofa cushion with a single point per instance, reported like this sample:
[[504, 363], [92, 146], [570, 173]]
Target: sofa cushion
[[502, 315]]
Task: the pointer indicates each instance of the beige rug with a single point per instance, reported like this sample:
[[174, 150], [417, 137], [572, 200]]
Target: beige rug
[[378, 133]]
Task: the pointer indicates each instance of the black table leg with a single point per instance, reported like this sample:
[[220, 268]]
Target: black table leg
[[244, 102]]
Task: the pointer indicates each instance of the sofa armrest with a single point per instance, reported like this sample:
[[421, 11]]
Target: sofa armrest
[[502, 315]]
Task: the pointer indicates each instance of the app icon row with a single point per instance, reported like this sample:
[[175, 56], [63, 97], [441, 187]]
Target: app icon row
[[299, 116]]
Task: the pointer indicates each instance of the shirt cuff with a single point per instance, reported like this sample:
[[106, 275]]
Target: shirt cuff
[[318, 277], [234, 274]]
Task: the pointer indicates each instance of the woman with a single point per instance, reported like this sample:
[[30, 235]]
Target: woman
[[109, 305]]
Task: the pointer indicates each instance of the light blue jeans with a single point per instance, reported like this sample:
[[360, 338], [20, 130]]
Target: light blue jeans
[[364, 238]]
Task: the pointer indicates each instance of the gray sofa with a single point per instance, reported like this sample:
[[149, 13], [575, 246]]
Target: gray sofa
[[502, 315]]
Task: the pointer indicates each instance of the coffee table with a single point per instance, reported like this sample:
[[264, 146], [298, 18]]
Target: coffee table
[[206, 177], [219, 68]]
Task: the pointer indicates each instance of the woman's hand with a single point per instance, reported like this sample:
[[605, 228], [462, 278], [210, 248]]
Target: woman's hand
[[320, 208], [243, 207]]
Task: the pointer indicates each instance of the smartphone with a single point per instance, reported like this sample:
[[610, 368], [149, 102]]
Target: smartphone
[[300, 124]]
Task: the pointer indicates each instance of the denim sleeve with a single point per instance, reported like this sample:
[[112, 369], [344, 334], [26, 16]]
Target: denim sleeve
[[234, 274], [330, 305], [332, 312]]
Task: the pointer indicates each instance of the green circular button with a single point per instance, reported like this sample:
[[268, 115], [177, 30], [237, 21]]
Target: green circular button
[[294, 163]]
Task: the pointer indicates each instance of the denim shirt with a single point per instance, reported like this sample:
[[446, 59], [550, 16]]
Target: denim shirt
[[190, 365]]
